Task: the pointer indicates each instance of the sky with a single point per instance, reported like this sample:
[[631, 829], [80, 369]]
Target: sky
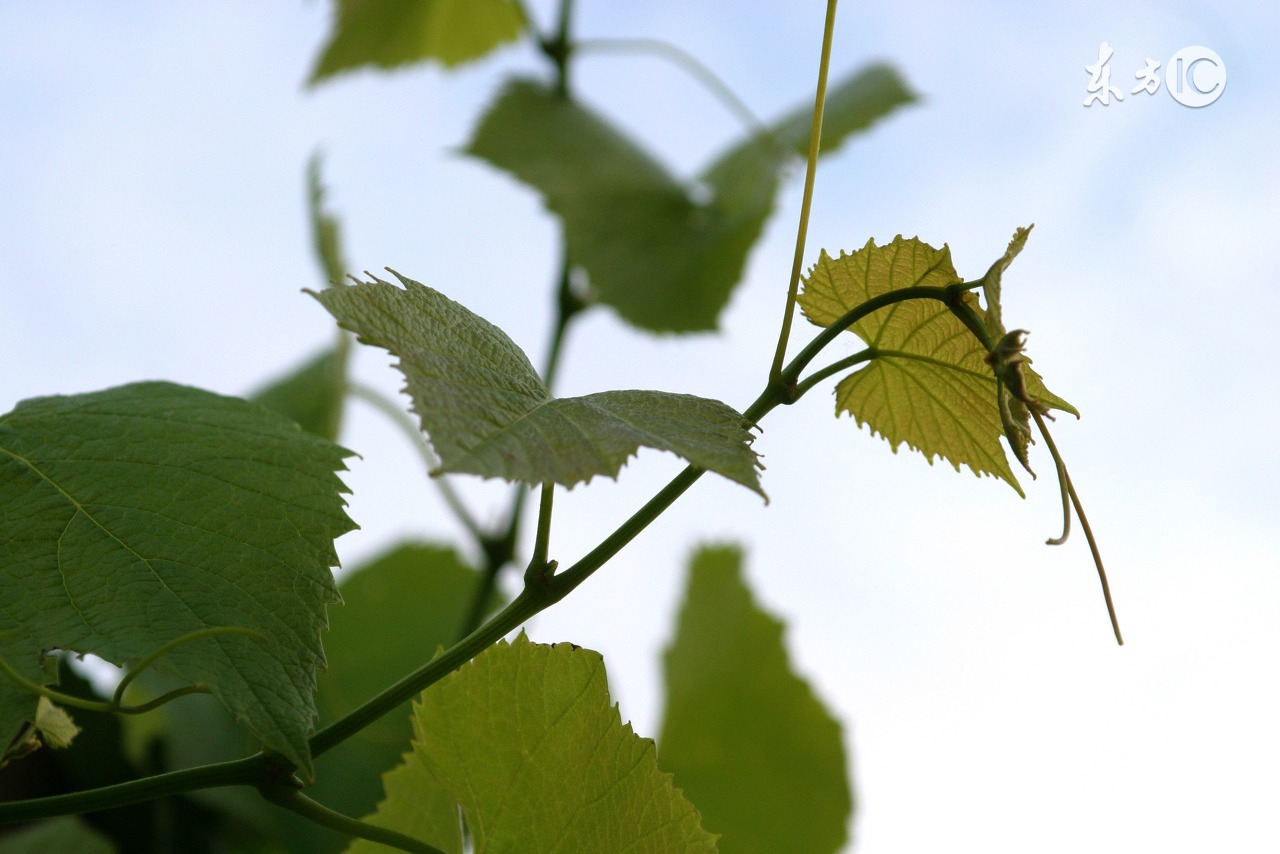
[[152, 226]]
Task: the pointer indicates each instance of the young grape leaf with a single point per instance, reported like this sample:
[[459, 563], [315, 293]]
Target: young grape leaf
[[664, 253], [745, 736], [993, 280], [487, 412], [311, 395], [928, 382], [132, 517], [391, 33], [1007, 360], [525, 740]]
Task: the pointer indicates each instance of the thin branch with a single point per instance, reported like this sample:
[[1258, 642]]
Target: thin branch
[[1084, 523], [295, 801], [241, 772], [538, 566], [811, 167], [834, 368]]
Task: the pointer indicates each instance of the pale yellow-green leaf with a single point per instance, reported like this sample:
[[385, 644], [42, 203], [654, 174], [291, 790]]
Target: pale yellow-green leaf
[[928, 383], [527, 742], [927, 380], [57, 729]]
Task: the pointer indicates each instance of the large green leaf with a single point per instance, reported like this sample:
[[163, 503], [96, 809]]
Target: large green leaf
[[391, 33], [132, 517], [488, 413], [745, 736], [664, 253], [525, 740], [927, 382]]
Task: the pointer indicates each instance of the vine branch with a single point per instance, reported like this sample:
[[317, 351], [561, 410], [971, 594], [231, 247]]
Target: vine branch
[[811, 168]]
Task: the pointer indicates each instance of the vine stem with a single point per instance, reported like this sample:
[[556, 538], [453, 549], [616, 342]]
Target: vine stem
[[1084, 523], [811, 167], [293, 800], [538, 565], [240, 772]]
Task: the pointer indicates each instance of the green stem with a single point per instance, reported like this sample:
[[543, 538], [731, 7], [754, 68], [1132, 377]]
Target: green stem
[[562, 583], [499, 551], [249, 771], [558, 48], [1084, 523], [688, 63], [1066, 502], [294, 801], [538, 566], [568, 306], [834, 368], [789, 376], [811, 167], [524, 606]]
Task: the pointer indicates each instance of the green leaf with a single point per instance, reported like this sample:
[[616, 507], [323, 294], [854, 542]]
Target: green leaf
[[927, 382], [56, 727], [745, 736], [524, 738], [853, 105], [311, 395], [992, 281], [391, 33], [1018, 386], [489, 414], [417, 805], [132, 517], [664, 253]]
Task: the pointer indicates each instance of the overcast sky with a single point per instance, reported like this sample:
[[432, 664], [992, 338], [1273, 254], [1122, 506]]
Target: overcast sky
[[152, 226]]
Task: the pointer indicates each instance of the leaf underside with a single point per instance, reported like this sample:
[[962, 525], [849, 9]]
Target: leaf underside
[[392, 33], [487, 412], [134, 516], [745, 737], [526, 742], [927, 382], [664, 253]]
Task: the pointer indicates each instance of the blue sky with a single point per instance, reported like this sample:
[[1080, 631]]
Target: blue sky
[[152, 226]]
